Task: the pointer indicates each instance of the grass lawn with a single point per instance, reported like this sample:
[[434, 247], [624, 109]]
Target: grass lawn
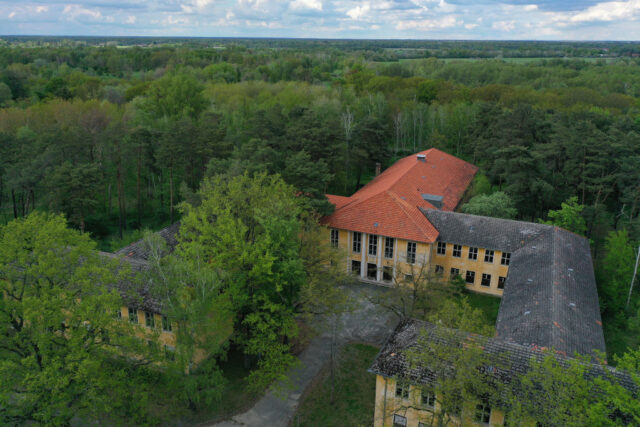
[[353, 397], [487, 303]]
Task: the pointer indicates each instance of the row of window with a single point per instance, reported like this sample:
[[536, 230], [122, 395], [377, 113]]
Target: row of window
[[389, 243], [470, 277], [482, 413], [149, 319], [472, 254], [372, 271], [482, 416]]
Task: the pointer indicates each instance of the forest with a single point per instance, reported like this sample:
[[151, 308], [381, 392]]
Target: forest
[[116, 133]]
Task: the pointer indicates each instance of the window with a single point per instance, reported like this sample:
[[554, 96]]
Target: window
[[483, 413], [355, 267], [399, 421], [439, 270], [471, 277], [133, 315], [357, 242], [473, 254], [169, 352], [373, 244], [402, 390], [149, 320], [166, 324], [457, 251], [388, 247], [334, 237], [442, 248], [506, 258], [372, 271], [428, 398], [387, 273], [421, 424], [488, 256], [118, 312], [454, 272], [486, 280], [501, 281], [411, 252], [408, 278]]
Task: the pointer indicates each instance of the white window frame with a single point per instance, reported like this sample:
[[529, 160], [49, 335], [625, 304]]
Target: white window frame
[[481, 413], [373, 245], [132, 313], [166, 324], [457, 249], [489, 254], [485, 276], [431, 396], [466, 277], [441, 248], [335, 237], [411, 252], [402, 390], [149, 320], [399, 421], [505, 259], [473, 254], [389, 242], [357, 242]]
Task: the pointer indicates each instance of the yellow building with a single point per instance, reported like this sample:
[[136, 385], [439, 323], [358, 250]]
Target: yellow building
[[382, 228], [549, 301]]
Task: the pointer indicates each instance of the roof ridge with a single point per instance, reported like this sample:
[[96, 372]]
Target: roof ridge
[[554, 276], [403, 205]]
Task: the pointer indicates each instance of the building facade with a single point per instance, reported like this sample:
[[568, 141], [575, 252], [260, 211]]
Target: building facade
[[381, 228]]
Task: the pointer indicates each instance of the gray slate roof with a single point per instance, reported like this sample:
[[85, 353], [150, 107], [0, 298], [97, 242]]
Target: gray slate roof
[[135, 291], [550, 297], [484, 232], [138, 249], [510, 359]]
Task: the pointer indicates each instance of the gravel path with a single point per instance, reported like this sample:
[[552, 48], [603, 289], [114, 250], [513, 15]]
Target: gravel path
[[366, 323]]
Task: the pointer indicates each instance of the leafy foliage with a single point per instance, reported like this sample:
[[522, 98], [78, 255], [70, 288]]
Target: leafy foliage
[[60, 341]]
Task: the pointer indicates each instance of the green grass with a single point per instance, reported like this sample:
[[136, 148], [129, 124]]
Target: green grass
[[487, 303], [353, 396]]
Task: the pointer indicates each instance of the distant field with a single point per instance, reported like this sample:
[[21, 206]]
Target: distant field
[[511, 60]]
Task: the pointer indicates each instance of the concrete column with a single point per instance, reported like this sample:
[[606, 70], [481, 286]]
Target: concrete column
[[363, 252], [379, 250], [395, 256]]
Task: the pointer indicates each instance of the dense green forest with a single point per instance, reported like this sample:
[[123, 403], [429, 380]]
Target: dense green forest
[[114, 133]]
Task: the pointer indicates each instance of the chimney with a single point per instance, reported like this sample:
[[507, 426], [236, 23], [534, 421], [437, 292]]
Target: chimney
[[378, 167], [422, 157]]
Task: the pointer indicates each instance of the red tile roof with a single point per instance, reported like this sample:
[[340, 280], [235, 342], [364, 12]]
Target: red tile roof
[[388, 205]]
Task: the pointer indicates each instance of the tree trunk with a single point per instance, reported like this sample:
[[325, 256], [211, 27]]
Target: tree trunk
[[109, 200], [139, 200], [171, 194], [121, 202], [15, 207]]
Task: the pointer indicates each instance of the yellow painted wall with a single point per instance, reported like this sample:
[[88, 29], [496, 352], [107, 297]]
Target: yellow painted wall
[[164, 337], [387, 404], [463, 263], [397, 262]]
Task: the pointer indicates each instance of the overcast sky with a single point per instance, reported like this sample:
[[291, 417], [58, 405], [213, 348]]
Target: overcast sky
[[414, 19]]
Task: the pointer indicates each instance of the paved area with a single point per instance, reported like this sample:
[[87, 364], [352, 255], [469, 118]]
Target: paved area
[[365, 323]]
